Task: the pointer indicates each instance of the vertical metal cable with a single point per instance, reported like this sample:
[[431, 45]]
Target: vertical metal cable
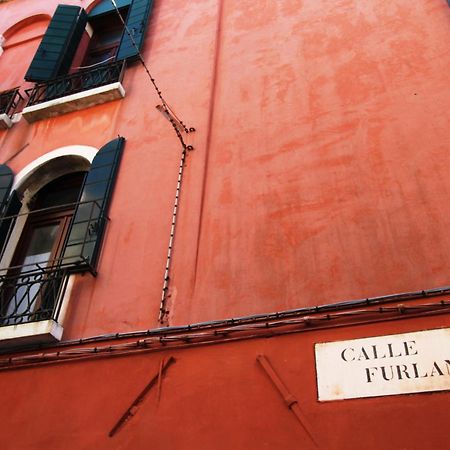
[[175, 122], [165, 105], [163, 312]]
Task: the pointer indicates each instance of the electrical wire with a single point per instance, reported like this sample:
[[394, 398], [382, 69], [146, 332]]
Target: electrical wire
[[176, 123], [165, 105], [163, 311], [96, 64], [329, 308], [229, 334]]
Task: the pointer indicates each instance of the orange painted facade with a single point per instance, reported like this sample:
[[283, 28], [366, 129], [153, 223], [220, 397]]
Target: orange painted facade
[[318, 176]]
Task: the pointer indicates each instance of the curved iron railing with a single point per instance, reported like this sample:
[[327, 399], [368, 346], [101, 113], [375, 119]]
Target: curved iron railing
[[9, 101], [76, 82], [31, 294]]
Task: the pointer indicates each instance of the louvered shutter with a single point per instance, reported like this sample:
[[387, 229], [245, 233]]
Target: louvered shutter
[[7, 220], [59, 44], [137, 20], [6, 180], [7, 208], [85, 236]]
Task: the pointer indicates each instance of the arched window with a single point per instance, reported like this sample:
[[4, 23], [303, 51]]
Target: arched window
[[30, 287], [51, 226]]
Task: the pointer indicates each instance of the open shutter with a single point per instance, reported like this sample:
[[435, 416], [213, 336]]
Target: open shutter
[[7, 208], [59, 44], [8, 220], [86, 233], [137, 20], [106, 7], [6, 180]]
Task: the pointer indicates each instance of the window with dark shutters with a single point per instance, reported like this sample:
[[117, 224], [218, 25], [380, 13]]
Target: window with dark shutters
[[59, 44], [74, 58], [60, 232]]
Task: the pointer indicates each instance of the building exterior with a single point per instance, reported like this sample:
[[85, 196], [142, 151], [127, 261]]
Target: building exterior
[[261, 264]]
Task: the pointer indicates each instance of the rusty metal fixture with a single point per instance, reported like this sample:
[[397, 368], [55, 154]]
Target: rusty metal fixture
[[132, 410]]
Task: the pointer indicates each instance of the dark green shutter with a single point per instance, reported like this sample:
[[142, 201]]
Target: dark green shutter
[[7, 208], [86, 233], [136, 23], [7, 220], [59, 44], [6, 180], [107, 7]]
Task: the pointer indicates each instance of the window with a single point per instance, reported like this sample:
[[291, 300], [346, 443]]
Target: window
[[30, 290], [81, 52], [107, 30], [49, 234]]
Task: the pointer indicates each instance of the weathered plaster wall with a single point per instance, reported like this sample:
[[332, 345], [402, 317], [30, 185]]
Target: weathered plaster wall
[[319, 170]]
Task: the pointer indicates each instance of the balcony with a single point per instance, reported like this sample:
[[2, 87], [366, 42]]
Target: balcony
[[9, 101], [74, 92], [30, 304], [32, 294]]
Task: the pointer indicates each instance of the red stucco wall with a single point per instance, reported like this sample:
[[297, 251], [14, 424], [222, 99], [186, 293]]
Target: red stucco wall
[[319, 175], [319, 170], [214, 397]]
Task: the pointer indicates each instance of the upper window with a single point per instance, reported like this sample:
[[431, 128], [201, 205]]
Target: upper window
[[81, 52], [107, 30], [72, 32]]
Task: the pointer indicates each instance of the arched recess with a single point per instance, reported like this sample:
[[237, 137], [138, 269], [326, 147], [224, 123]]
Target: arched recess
[[18, 43], [24, 26]]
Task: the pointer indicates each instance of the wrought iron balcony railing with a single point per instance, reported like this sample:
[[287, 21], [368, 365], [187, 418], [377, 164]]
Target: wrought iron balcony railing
[[9, 101], [32, 293], [76, 82]]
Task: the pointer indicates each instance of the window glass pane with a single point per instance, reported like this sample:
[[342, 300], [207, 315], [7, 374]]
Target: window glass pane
[[62, 191], [41, 243], [37, 254]]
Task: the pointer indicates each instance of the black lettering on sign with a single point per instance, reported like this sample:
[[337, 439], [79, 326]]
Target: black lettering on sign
[[344, 352], [435, 369]]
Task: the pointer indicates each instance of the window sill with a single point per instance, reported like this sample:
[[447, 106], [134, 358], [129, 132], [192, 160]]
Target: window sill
[[5, 122], [74, 102], [44, 331]]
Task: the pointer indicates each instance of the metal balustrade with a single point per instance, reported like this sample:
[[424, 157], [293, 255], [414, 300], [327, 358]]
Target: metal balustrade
[[76, 82], [9, 101], [33, 292]]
